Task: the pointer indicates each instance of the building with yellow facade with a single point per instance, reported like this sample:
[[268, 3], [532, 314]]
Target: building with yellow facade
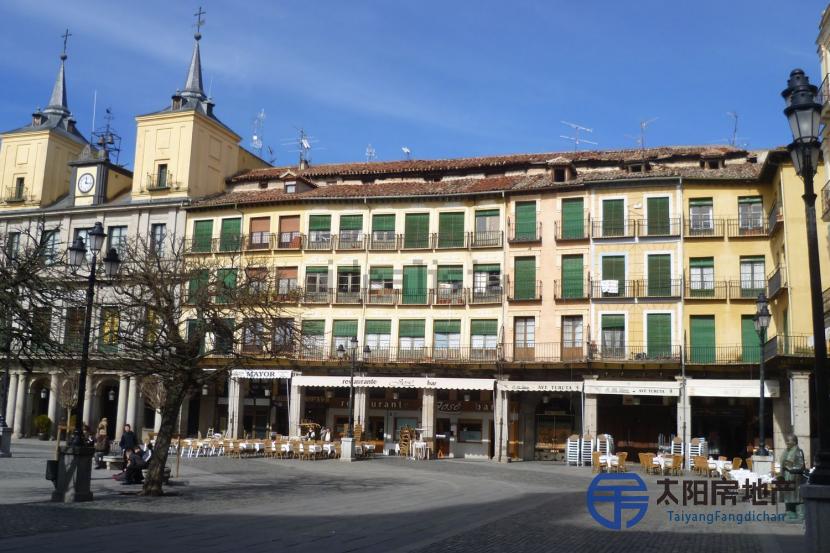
[[501, 304]]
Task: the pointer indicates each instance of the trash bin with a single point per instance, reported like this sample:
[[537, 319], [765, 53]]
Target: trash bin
[[52, 471]]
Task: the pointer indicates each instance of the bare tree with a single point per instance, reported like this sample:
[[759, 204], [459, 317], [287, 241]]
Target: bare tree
[[181, 321]]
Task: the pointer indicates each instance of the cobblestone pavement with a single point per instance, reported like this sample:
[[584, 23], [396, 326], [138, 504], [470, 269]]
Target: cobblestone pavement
[[220, 504]]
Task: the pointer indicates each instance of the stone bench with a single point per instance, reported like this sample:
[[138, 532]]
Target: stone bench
[[113, 462]]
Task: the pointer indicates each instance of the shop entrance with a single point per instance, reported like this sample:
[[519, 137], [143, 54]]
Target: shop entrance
[[730, 425], [555, 421], [636, 422]]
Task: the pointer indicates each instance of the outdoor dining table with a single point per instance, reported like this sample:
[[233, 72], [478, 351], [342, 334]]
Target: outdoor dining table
[[743, 475], [419, 449], [721, 466], [661, 461], [609, 460]]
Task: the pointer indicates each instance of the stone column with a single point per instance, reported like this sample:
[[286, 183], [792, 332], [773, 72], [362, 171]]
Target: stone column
[[800, 410], [88, 395], [236, 406], [11, 398], [500, 423], [20, 405], [684, 411], [296, 410], [54, 387], [781, 421], [132, 403], [121, 414], [360, 405], [428, 413], [589, 411]]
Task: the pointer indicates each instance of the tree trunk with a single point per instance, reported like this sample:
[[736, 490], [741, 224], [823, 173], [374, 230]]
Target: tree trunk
[[155, 472]]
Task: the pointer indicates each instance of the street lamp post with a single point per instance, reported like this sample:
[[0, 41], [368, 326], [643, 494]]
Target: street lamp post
[[74, 465], [761, 320], [347, 451], [804, 116]]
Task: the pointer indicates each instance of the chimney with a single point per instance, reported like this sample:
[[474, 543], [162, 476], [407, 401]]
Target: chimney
[[303, 164]]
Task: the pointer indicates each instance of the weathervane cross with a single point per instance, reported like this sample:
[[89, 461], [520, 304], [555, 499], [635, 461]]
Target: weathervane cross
[[65, 36], [199, 20]]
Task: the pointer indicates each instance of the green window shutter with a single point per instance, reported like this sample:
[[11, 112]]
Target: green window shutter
[[448, 326], [487, 213], [702, 335], [700, 202], [750, 200], [351, 222], [202, 236], [613, 268], [415, 284], [380, 273], [572, 277], [198, 283], [344, 329], [378, 326], [613, 218], [314, 328], [525, 221], [658, 216], [751, 346], [383, 223], [524, 271], [319, 269], [229, 235], [702, 262], [319, 222], [410, 328], [450, 230], [484, 327], [227, 278], [487, 268], [348, 269], [610, 322], [658, 335], [194, 329], [573, 218], [450, 273], [416, 230], [659, 275]]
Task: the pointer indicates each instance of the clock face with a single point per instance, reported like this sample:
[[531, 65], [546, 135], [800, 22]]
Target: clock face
[[86, 182]]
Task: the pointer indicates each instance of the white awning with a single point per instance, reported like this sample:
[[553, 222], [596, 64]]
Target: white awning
[[539, 386], [260, 374], [396, 382], [459, 383], [731, 388], [633, 387]]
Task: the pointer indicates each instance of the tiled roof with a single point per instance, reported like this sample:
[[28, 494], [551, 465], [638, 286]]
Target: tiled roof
[[463, 186], [376, 168]]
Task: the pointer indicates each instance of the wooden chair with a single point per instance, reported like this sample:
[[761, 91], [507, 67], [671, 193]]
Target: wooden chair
[[723, 458], [596, 466], [736, 463], [295, 450], [619, 466], [676, 467], [749, 463], [648, 463]]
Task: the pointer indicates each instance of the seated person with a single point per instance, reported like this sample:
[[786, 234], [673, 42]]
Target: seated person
[[135, 464]]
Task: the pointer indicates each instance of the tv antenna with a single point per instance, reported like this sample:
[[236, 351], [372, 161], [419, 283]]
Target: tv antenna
[[370, 153], [575, 138], [256, 137], [107, 139], [643, 125], [734, 115], [407, 153], [304, 143]]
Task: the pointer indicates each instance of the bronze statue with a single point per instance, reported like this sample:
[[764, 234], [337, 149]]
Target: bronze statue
[[793, 470]]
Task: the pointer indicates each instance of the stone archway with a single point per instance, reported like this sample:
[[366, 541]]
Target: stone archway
[[106, 401], [37, 402]]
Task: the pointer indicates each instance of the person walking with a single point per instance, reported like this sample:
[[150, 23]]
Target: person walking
[[128, 441]]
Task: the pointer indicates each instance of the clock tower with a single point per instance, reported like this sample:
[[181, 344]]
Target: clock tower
[[95, 179]]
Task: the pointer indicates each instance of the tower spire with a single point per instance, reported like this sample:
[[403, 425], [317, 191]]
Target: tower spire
[[193, 84], [57, 102]]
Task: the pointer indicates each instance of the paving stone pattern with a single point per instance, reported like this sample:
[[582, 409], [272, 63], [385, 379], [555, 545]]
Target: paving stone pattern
[[387, 504]]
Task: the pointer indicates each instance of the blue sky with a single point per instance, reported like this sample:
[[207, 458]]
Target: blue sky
[[445, 78]]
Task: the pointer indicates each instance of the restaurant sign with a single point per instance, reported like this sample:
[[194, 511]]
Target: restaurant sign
[[540, 386], [397, 382], [260, 374], [633, 388], [463, 406]]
